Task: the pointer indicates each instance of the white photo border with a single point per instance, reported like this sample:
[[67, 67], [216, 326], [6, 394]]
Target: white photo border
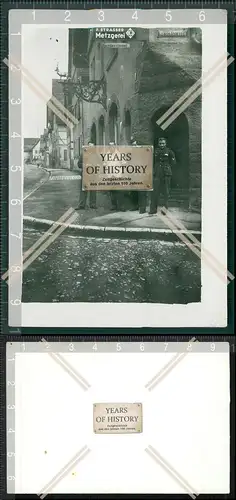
[[212, 310]]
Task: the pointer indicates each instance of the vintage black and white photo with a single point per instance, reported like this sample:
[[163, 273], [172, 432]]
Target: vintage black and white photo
[[115, 87]]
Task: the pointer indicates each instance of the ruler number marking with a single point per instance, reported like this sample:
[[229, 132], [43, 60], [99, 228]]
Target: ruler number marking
[[202, 16], [67, 16], [101, 15], [168, 16], [15, 302], [15, 102]]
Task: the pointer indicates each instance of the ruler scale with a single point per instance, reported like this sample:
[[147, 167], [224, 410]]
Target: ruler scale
[[123, 344], [95, 14], [19, 340]]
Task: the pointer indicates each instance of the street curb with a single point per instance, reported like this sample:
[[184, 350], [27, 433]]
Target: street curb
[[47, 172], [111, 232]]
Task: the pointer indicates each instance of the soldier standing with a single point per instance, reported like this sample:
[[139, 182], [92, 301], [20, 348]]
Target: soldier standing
[[83, 194], [164, 160]]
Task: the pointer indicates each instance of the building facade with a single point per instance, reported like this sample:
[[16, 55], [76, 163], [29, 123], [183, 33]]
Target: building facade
[[137, 88], [36, 152], [44, 148], [57, 131], [30, 144]]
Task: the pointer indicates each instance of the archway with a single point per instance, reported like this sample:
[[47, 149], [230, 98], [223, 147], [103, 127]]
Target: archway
[[101, 131], [177, 136], [113, 123], [93, 134]]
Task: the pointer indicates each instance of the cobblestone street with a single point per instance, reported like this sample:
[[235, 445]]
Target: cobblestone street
[[75, 269], [88, 269]]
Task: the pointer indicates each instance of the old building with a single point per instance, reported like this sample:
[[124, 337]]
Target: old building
[[135, 86], [36, 154], [29, 147], [57, 131], [44, 147]]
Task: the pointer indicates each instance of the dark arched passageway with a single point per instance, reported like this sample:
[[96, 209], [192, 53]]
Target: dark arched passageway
[[177, 135]]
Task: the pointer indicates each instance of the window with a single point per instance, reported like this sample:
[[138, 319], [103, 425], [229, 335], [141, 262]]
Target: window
[[101, 58], [65, 154], [113, 123], [93, 135], [77, 110], [101, 131], [92, 69], [110, 55], [79, 146], [127, 127]]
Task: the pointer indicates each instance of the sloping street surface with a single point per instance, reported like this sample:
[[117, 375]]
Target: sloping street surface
[[33, 177], [61, 192], [91, 269]]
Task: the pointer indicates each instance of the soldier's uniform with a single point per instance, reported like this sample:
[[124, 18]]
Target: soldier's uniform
[[164, 160], [117, 200]]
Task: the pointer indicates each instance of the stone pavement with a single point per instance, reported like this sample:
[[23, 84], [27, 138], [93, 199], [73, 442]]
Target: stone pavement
[[48, 203]]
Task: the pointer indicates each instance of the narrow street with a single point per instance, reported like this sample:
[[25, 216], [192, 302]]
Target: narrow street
[[33, 175], [80, 269]]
